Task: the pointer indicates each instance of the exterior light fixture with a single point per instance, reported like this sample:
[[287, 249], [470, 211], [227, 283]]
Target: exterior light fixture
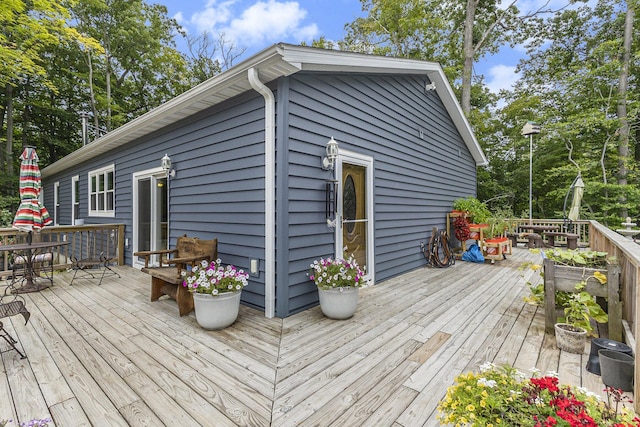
[[166, 166], [329, 161], [530, 129]]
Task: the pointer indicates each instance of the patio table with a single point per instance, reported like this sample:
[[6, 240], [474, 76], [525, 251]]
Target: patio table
[[29, 253]]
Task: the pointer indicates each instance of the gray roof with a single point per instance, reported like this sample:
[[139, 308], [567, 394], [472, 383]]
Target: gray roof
[[276, 61]]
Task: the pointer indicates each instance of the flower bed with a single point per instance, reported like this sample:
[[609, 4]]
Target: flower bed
[[502, 396]]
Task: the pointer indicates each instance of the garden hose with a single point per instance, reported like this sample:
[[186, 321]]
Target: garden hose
[[437, 252]]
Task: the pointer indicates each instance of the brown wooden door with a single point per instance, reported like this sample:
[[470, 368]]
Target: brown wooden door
[[354, 212]]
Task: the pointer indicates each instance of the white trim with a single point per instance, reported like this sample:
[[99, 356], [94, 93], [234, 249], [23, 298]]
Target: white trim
[[269, 192], [353, 158], [153, 174], [274, 62], [56, 203], [105, 212], [75, 180]]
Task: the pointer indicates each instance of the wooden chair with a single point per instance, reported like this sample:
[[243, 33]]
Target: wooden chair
[[166, 278], [12, 304]]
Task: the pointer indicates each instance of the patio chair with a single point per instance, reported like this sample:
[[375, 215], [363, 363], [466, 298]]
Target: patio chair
[[166, 278], [12, 304], [97, 252]]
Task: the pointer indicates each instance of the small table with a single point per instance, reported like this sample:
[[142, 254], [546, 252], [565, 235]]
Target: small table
[[28, 251], [539, 229]]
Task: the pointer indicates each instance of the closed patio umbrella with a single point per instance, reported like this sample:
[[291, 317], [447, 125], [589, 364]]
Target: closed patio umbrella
[[31, 214], [578, 191]]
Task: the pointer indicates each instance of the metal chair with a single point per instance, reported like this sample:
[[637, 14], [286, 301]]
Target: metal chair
[[12, 304], [96, 256]]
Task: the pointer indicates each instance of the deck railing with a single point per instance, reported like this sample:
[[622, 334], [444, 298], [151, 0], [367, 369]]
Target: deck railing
[[580, 227], [84, 240]]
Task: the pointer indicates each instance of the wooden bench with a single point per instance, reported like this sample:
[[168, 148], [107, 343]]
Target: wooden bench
[[166, 278], [572, 239]]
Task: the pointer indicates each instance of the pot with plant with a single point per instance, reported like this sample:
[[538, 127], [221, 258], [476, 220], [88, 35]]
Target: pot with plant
[[572, 330], [338, 281], [595, 273], [216, 292]]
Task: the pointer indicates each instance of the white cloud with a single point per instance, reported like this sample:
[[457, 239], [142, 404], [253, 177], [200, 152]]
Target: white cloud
[[212, 16], [501, 77], [262, 22]]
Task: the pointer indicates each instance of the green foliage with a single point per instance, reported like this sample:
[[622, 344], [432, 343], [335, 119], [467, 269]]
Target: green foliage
[[503, 396], [477, 210], [579, 257]]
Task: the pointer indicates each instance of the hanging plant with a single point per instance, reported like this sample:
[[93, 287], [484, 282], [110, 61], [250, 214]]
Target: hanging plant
[[461, 227]]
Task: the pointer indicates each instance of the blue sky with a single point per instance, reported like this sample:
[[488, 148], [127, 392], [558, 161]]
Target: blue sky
[[257, 24]]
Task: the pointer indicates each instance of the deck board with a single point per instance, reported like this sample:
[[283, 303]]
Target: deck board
[[106, 355]]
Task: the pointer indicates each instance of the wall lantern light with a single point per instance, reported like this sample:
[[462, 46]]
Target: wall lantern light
[[166, 166], [332, 154]]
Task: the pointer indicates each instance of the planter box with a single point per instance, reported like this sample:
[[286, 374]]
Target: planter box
[[565, 278]]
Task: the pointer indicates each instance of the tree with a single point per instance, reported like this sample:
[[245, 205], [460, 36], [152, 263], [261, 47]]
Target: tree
[[28, 31], [140, 68], [571, 85], [208, 57]]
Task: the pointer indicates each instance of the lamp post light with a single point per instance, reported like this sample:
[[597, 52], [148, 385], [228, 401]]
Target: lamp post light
[[529, 129]]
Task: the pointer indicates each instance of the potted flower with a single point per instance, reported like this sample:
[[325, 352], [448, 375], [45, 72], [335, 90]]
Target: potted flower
[[216, 292], [338, 281], [503, 396]]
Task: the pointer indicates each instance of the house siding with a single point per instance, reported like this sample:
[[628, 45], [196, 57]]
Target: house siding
[[421, 164], [416, 177], [218, 191]]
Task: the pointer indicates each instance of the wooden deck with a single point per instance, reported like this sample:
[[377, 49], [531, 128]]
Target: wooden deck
[[105, 355]]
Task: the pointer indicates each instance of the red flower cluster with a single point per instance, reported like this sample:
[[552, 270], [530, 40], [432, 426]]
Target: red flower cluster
[[461, 227], [564, 403]]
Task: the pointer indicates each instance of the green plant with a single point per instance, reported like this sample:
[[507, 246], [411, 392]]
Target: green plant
[[503, 396], [477, 210], [329, 273], [579, 257], [579, 307], [213, 278]]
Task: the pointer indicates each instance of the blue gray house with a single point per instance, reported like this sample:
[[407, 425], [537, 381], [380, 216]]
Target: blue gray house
[[255, 168]]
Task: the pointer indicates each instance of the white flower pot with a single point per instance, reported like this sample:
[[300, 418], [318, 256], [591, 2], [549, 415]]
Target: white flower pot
[[216, 312], [340, 303]]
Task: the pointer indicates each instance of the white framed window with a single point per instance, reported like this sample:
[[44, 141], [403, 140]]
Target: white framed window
[[102, 192], [75, 199], [56, 203]]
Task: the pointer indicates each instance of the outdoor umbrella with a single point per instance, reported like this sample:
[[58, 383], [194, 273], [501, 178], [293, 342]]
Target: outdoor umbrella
[[31, 214], [578, 191]]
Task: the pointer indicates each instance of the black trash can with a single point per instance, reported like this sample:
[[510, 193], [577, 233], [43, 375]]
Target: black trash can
[[597, 344]]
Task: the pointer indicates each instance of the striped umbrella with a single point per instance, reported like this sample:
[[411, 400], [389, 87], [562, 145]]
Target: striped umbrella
[[31, 214]]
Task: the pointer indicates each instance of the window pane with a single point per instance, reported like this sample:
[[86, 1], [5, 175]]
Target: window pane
[[110, 201], [93, 202], [94, 187], [101, 182], [109, 180], [101, 202], [76, 190]]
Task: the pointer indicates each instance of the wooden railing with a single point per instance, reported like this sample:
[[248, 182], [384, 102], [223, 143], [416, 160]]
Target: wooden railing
[[580, 227], [84, 239]]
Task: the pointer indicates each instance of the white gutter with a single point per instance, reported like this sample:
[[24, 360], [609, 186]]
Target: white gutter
[[269, 191]]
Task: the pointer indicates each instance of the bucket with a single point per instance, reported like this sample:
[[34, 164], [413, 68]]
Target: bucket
[[616, 369], [597, 344]]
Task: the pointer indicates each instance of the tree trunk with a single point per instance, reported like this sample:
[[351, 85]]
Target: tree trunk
[[9, 145], [621, 111], [468, 51]]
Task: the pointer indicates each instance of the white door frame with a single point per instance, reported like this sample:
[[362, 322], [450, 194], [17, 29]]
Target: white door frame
[[152, 174], [367, 162]]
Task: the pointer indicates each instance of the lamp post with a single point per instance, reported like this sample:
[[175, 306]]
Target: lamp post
[[165, 163], [529, 129]]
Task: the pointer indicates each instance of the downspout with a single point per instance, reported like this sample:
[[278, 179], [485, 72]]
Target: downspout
[[269, 191]]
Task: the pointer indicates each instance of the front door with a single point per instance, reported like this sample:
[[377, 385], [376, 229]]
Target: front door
[[354, 233], [150, 212]]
